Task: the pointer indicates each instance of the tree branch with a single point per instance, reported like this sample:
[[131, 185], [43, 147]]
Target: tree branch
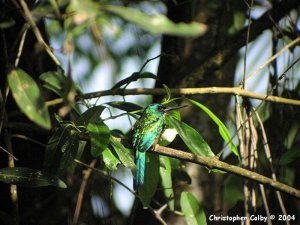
[[184, 91], [210, 162], [215, 163]]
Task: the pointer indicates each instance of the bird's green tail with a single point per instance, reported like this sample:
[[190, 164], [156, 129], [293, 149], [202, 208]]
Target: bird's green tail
[[140, 169]]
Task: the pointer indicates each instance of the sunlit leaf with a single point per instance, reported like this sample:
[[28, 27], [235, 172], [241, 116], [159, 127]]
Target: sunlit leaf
[[110, 160], [28, 97], [190, 137], [100, 135], [166, 180], [224, 132], [158, 24], [29, 177], [54, 81], [147, 191], [190, 206], [168, 92], [123, 153]]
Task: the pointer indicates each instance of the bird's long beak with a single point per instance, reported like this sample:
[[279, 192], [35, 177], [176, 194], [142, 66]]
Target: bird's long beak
[[174, 108]]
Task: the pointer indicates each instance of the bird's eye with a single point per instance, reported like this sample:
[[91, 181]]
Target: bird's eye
[[161, 108]]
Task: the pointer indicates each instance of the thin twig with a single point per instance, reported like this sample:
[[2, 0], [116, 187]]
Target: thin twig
[[270, 161], [22, 41], [86, 175], [8, 153], [285, 48], [265, 202], [20, 136], [29, 18], [104, 174], [13, 187]]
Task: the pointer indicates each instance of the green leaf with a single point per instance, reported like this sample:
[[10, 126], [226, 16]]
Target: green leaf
[[289, 156], [100, 135], [134, 77], [54, 148], [125, 106], [91, 115], [233, 191], [166, 180], [123, 153], [190, 206], [29, 177], [6, 22], [54, 81], [69, 152], [168, 97], [147, 191], [60, 84], [158, 24], [28, 97], [224, 132], [190, 137], [110, 160]]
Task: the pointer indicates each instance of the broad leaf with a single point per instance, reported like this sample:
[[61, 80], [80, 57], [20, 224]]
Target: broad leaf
[[29, 177], [166, 180], [69, 153], [54, 81], [147, 191], [54, 148], [190, 137], [123, 153], [28, 97], [91, 115], [62, 148], [100, 135], [126, 106], [224, 132], [6, 22], [134, 77], [190, 206], [109, 159], [158, 24], [289, 156]]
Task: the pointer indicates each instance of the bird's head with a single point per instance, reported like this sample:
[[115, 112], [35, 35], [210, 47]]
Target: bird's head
[[157, 108]]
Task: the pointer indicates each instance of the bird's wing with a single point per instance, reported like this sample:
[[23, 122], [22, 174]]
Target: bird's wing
[[146, 134]]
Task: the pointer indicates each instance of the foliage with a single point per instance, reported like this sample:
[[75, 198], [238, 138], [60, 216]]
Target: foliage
[[81, 130]]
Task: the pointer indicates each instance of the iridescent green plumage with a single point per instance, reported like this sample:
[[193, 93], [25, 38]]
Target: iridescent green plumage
[[146, 133]]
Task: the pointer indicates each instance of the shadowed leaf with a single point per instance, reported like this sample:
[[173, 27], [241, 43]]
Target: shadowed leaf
[[29, 177]]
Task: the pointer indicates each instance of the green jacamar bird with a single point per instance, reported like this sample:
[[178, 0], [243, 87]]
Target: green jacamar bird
[[146, 133]]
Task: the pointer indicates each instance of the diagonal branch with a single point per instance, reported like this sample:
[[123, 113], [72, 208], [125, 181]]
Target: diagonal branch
[[215, 163]]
